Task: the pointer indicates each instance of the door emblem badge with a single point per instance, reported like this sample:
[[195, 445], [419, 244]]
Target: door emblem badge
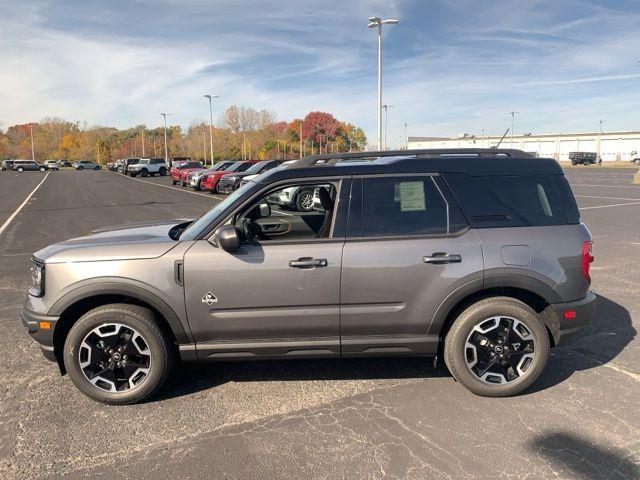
[[209, 298]]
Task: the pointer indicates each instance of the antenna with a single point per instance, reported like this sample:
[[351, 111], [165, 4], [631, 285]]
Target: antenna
[[504, 135]]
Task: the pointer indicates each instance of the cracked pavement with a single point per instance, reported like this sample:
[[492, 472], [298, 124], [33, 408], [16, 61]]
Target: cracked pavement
[[373, 418]]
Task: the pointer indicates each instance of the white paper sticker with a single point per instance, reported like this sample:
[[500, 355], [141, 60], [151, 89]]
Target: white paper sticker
[[412, 197]]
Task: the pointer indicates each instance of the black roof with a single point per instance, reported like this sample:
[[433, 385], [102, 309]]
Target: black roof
[[472, 161]]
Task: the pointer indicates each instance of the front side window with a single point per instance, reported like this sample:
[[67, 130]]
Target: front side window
[[296, 212], [397, 206]]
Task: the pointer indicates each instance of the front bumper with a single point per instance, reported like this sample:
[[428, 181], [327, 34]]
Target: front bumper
[[581, 313], [225, 186], [44, 336]]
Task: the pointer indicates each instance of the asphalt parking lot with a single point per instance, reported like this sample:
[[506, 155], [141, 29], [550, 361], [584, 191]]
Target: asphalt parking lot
[[397, 418]]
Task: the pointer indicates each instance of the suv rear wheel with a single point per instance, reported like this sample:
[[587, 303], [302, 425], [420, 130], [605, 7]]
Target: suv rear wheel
[[116, 354], [497, 347], [162, 171]]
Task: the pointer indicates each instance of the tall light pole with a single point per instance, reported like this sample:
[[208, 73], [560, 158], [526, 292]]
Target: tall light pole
[[33, 150], [406, 137], [513, 123], [142, 132], [166, 151], [600, 142], [386, 118], [377, 22], [210, 97]]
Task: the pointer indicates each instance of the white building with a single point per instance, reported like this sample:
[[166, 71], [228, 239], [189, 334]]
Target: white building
[[612, 146]]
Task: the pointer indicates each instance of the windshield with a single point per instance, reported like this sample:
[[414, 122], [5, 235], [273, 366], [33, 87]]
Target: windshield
[[257, 167], [205, 220]]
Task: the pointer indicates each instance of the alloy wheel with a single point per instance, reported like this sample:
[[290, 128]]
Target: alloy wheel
[[114, 357], [499, 350]]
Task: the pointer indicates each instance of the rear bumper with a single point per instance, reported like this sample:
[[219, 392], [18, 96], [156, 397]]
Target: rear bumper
[[44, 336], [564, 328]]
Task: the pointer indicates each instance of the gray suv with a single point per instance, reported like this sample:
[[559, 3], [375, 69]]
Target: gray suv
[[477, 256]]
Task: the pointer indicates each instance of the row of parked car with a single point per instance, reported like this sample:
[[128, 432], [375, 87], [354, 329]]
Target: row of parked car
[[48, 165], [223, 177], [227, 176]]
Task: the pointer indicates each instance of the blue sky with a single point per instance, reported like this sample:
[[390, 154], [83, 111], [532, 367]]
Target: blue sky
[[449, 66]]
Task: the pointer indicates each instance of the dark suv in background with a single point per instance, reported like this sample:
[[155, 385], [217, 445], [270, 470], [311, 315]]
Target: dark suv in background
[[231, 182], [477, 256]]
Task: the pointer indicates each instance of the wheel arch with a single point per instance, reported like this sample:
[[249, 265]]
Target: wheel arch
[[79, 301], [531, 292]]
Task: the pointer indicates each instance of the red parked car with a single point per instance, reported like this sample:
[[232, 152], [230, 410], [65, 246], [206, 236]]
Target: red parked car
[[177, 171], [210, 180]]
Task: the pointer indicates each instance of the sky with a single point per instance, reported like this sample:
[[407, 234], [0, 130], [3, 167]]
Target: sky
[[449, 66]]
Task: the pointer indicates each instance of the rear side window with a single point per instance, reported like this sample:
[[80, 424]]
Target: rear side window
[[394, 206], [508, 201], [568, 200]]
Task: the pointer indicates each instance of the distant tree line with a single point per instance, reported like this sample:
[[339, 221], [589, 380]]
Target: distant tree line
[[241, 133]]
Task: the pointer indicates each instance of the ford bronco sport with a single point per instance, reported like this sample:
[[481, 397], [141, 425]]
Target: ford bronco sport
[[477, 256]]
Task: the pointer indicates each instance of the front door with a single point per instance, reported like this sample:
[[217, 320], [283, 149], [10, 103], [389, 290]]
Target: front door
[[278, 295]]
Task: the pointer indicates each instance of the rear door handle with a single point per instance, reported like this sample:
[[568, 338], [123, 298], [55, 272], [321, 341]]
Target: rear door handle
[[442, 257], [308, 262]]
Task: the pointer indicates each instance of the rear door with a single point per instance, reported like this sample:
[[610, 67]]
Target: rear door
[[407, 248]]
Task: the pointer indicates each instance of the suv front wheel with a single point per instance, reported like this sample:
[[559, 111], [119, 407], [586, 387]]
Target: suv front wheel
[[497, 347], [116, 354]]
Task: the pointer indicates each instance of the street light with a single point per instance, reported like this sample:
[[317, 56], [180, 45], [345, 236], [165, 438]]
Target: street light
[[513, 123], [377, 22], [386, 117], [210, 97], [166, 152], [33, 150]]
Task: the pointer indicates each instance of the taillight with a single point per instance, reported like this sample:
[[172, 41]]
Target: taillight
[[587, 259]]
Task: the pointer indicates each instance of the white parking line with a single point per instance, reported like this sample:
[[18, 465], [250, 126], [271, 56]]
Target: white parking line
[[17, 210], [612, 205], [172, 187], [607, 198], [600, 185]]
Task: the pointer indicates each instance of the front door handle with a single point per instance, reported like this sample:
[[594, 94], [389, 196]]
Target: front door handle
[[308, 262], [442, 257]]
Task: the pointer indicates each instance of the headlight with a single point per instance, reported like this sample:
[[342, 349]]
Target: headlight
[[37, 279]]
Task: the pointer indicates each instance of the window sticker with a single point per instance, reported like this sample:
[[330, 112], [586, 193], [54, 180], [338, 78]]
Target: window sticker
[[412, 197]]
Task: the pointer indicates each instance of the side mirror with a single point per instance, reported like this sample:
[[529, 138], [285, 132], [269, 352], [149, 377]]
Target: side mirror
[[228, 238], [264, 210]]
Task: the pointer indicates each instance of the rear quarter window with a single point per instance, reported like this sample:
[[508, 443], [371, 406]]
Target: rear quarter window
[[508, 201]]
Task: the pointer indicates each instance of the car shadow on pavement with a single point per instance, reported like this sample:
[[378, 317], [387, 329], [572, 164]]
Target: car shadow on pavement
[[598, 344], [573, 457]]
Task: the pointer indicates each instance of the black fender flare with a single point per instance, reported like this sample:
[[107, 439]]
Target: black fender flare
[[506, 280], [142, 293]]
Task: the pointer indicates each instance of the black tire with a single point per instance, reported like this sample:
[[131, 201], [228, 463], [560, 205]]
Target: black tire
[[163, 171], [301, 198], [20, 169], [80, 168], [139, 319], [144, 172], [456, 351], [42, 169], [133, 175]]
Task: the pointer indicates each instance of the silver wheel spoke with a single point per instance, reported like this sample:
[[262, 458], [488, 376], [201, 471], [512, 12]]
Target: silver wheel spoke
[[114, 357], [499, 350]]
